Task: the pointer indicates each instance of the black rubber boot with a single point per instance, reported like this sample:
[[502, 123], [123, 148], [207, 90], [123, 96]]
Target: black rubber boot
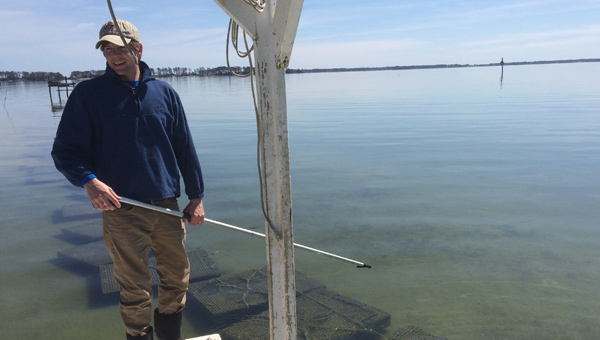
[[168, 326], [149, 335]]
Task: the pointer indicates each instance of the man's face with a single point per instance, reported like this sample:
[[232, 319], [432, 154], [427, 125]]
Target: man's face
[[120, 60]]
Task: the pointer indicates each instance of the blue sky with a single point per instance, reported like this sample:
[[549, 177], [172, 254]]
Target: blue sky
[[59, 36]]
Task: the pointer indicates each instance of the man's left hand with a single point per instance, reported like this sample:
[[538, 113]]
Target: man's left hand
[[196, 211]]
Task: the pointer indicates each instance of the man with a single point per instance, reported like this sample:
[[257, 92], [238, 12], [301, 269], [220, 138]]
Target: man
[[125, 133]]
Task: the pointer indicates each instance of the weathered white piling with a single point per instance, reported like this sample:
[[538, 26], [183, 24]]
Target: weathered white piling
[[272, 24]]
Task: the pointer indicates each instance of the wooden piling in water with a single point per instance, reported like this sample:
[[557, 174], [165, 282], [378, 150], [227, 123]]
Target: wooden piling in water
[[60, 86]]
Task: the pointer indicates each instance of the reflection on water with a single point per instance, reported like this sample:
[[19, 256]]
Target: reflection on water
[[476, 205]]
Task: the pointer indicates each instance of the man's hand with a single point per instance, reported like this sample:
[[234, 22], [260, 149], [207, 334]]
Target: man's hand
[[102, 196], [196, 210]]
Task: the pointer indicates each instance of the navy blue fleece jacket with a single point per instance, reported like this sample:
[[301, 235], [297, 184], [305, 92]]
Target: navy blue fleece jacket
[[137, 141]]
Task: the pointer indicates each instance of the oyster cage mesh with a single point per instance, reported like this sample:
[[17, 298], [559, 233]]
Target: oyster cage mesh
[[237, 307]]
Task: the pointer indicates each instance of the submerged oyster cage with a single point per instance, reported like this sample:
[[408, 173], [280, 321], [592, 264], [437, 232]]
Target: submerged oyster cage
[[236, 305]]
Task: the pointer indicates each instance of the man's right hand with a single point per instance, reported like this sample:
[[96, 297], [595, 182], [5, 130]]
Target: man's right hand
[[102, 196]]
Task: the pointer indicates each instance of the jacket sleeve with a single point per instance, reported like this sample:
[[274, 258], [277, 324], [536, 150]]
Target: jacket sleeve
[[72, 147], [185, 151]]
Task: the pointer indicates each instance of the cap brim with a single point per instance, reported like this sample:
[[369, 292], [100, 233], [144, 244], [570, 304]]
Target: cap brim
[[115, 39]]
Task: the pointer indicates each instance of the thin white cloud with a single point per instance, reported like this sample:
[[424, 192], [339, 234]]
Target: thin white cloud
[[584, 33], [353, 54], [86, 26]]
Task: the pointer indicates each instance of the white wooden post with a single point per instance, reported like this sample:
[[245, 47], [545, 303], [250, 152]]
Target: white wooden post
[[273, 30]]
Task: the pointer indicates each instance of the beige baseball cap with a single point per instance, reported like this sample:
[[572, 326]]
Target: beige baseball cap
[[109, 33]]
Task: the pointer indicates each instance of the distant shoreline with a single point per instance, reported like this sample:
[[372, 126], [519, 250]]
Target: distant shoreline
[[9, 76], [419, 67]]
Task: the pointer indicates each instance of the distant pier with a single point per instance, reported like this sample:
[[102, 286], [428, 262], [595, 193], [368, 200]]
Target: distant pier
[[60, 87]]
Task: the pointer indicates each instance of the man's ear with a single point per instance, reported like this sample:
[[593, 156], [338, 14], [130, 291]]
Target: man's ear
[[139, 54]]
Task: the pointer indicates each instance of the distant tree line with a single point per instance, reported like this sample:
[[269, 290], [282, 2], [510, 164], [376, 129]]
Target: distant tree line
[[397, 68], [225, 71], [173, 72], [30, 76], [85, 74], [200, 71], [156, 72]]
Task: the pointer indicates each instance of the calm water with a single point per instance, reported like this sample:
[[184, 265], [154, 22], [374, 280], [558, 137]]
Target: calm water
[[476, 200]]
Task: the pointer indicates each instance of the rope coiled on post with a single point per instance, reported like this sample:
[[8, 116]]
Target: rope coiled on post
[[233, 38]]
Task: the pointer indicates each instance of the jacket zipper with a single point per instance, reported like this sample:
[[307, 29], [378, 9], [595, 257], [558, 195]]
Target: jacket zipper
[[135, 97], [137, 101], [134, 93]]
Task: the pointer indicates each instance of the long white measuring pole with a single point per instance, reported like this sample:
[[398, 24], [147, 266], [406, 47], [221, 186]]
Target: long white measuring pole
[[242, 230]]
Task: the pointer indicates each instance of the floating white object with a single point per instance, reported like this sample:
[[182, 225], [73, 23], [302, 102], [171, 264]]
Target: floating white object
[[207, 337]]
